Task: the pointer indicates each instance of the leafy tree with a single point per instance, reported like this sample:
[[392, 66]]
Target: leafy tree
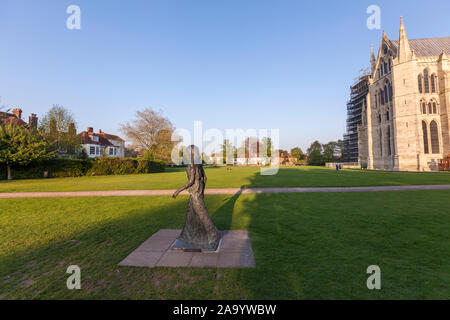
[[58, 125], [151, 131], [20, 146], [227, 147], [266, 142], [333, 150], [298, 153], [315, 154]]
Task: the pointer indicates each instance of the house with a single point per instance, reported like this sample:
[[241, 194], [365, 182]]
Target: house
[[102, 144], [15, 118]]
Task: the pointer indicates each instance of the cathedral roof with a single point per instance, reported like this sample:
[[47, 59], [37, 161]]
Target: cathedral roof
[[428, 47]]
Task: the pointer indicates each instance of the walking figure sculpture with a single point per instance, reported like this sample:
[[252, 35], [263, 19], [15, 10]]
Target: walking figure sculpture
[[199, 231]]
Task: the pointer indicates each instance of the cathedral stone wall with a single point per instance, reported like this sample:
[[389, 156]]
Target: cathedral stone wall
[[406, 124]]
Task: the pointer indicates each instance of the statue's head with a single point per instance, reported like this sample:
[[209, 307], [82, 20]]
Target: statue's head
[[194, 155]]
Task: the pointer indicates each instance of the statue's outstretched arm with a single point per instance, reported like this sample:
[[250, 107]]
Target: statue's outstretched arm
[[187, 185]]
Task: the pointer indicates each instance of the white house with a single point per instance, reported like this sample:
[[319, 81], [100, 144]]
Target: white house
[[102, 144]]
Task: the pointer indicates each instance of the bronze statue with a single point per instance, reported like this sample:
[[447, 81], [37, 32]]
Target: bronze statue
[[199, 232]]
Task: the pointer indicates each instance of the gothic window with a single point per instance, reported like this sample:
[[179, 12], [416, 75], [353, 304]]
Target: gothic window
[[387, 115], [433, 83], [430, 111], [419, 81], [388, 140], [425, 136], [434, 108], [381, 144], [382, 97], [434, 137], [390, 65], [426, 81], [424, 108], [390, 92], [386, 94], [385, 68], [379, 118]]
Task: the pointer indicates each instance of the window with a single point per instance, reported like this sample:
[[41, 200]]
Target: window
[[390, 65], [115, 151], [429, 108], [95, 138], [388, 140], [426, 81], [382, 97], [434, 108], [386, 94], [425, 136], [433, 83], [91, 150], [390, 92], [379, 118], [387, 115], [434, 137], [97, 150], [385, 68], [419, 81], [381, 144], [111, 151], [424, 108]]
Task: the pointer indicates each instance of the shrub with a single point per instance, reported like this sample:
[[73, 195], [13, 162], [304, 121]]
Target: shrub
[[58, 168], [117, 166], [54, 167]]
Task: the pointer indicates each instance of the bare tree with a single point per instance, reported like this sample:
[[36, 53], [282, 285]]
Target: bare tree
[[150, 131]]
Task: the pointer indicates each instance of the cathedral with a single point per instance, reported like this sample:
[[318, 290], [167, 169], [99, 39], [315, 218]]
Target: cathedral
[[405, 114]]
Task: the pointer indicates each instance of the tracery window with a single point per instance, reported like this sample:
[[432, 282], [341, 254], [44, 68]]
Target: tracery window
[[426, 81], [425, 137], [434, 137], [419, 82]]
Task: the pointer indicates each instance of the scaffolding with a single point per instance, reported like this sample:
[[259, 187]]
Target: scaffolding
[[358, 94]]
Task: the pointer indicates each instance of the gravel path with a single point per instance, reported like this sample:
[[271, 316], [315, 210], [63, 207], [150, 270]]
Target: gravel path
[[231, 191]]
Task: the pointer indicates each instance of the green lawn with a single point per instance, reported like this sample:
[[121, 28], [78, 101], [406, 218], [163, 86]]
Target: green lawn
[[238, 177], [306, 246]]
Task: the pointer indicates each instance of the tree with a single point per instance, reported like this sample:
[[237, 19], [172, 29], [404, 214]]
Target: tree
[[21, 146], [59, 126], [227, 147], [151, 131], [298, 153], [266, 143], [329, 150], [315, 154], [333, 150]]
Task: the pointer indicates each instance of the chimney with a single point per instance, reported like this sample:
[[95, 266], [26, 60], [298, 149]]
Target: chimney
[[33, 121], [90, 130], [100, 131], [18, 113]]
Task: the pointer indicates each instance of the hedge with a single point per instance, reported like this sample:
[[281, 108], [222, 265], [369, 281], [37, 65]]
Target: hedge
[[75, 167], [114, 166]]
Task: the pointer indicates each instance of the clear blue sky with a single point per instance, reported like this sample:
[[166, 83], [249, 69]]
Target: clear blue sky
[[230, 63]]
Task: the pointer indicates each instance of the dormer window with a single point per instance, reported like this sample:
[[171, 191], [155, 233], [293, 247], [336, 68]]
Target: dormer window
[[95, 138]]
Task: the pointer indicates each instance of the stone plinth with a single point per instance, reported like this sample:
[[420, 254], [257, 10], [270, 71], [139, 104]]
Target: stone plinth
[[234, 251]]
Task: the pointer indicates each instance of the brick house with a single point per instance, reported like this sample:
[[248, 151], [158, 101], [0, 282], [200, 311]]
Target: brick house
[[102, 144], [15, 118]]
